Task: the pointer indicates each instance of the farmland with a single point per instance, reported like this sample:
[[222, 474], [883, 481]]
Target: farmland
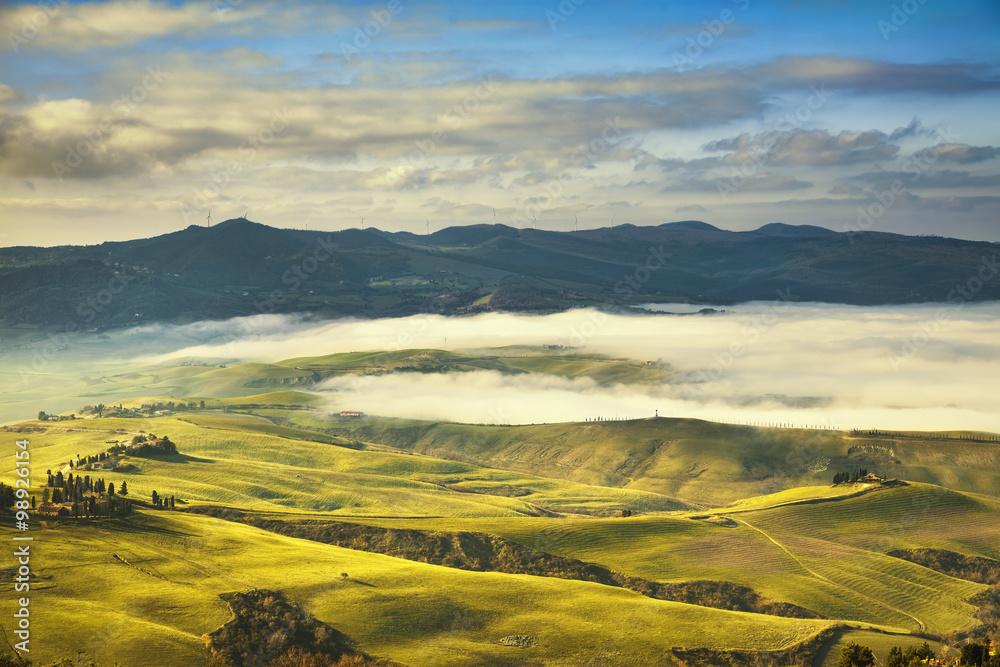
[[278, 456]]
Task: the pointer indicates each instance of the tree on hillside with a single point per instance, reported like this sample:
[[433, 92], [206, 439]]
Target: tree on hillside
[[912, 657], [111, 489], [124, 490], [855, 655], [973, 654], [7, 496], [156, 498], [57, 495]]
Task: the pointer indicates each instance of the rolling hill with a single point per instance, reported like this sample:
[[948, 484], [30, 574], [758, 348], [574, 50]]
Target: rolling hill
[[241, 267], [819, 548]]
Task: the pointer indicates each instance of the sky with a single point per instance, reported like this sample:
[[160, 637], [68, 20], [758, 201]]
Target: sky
[[126, 119]]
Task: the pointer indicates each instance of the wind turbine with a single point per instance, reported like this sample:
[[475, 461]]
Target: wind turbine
[[362, 221], [576, 223], [428, 227], [307, 222], [494, 216], [245, 214], [208, 218], [612, 222], [533, 220]]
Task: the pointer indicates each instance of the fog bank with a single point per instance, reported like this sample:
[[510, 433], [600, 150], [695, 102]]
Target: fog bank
[[933, 367]]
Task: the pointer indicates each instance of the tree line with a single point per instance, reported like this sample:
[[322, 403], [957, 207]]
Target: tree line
[[851, 477], [972, 655], [90, 497]]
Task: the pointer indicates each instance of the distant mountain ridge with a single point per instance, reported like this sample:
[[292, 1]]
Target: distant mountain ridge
[[802, 231], [240, 267]]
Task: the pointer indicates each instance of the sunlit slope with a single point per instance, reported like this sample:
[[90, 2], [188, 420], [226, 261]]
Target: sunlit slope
[[908, 517], [704, 462], [222, 381], [827, 557], [507, 360], [153, 610], [247, 461]]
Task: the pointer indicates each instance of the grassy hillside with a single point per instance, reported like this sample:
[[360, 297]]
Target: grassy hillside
[[827, 557], [513, 360], [248, 461], [712, 502], [411, 612], [702, 462]]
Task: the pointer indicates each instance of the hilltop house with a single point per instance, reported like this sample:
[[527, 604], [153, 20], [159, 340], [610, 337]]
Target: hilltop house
[[53, 509], [351, 413], [871, 478]]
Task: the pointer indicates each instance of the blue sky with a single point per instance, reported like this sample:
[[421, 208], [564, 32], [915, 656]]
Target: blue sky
[[122, 119]]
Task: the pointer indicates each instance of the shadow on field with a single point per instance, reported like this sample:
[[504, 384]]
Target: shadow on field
[[359, 582], [131, 525], [179, 458]]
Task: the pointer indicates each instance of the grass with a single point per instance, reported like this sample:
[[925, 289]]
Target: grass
[[702, 462], [246, 461], [800, 494], [411, 612], [818, 556], [813, 545]]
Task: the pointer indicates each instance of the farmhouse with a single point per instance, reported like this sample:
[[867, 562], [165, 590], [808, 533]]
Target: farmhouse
[[351, 413], [53, 509], [871, 478]]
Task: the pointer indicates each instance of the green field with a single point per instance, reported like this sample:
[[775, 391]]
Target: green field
[[716, 502], [702, 462], [415, 613]]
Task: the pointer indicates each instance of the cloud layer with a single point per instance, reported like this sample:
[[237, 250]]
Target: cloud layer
[[926, 367]]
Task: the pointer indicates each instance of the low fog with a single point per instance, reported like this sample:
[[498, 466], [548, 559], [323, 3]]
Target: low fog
[[903, 367]]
